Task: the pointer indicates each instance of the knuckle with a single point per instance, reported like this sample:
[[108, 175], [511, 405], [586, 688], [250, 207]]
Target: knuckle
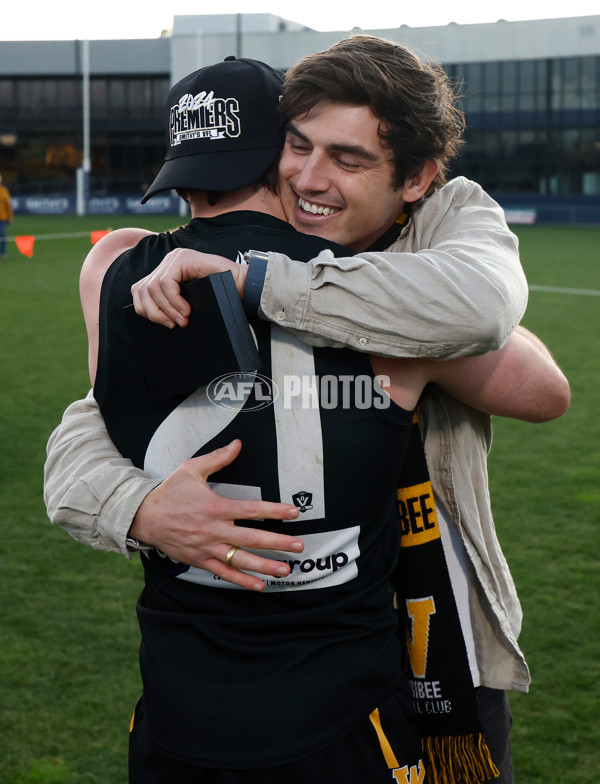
[[254, 510], [215, 507], [188, 465], [254, 540]]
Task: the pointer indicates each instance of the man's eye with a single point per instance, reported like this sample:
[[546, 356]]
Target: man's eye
[[299, 147], [349, 165]]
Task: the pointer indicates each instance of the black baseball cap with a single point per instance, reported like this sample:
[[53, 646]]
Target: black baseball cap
[[224, 128]]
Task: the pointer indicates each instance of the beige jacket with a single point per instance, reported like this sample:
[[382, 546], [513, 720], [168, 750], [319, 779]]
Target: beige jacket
[[457, 441]]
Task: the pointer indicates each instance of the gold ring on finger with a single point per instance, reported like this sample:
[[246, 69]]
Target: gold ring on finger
[[230, 553]]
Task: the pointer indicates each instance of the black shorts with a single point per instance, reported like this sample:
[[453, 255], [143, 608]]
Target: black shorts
[[496, 720], [385, 748]]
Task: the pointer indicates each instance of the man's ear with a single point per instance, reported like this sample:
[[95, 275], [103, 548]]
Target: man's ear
[[417, 186]]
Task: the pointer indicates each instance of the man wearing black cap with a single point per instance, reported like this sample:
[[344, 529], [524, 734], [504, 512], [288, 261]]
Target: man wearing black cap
[[216, 142], [191, 120]]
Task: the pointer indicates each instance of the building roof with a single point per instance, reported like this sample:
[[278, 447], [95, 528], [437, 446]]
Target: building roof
[[201, 40]]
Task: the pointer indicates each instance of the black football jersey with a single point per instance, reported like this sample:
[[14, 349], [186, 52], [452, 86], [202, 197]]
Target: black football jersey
[[239, 679]]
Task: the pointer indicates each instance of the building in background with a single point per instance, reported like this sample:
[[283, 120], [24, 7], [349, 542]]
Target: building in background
[[531, 94]]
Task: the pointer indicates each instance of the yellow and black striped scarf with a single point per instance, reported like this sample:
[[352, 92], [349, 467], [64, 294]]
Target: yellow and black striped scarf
[[455, 750]]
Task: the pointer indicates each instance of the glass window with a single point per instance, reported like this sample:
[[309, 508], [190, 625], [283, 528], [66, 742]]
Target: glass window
[[509, 144], [117, 95], [528, 88], [491, 103], [492, 77], [527, 74], [29, 97], [590, 82], [7, 93], [571, 74], [590, 147], [556, 83], [98, 98], [569, 141], [472, 87], [509, 77], [491, 145], [68, 94], [571, 85], [140, 95], [491, 89], [474, 77], [589, 72], [509, 102], [49, 94]]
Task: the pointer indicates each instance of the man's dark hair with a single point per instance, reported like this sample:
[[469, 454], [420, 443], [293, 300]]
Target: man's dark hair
[[267, 180], [413, 99]]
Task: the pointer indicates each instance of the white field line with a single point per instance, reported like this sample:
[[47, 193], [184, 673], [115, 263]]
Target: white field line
[[549, 289], [72, 235], [558, 290]]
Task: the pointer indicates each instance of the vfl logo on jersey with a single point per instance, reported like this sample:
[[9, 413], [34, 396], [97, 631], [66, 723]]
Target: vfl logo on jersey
[[302, 500], [203, 116]]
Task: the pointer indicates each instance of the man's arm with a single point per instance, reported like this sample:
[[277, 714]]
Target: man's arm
[[90, 489], [101, 499], [92, 274], [452, 287], [521, 380], [500, 265]]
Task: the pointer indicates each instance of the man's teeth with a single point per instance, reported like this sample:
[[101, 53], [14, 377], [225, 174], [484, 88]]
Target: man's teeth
[[315, 210]]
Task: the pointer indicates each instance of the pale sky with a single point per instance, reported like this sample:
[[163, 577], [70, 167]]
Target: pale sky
[[40, 20]]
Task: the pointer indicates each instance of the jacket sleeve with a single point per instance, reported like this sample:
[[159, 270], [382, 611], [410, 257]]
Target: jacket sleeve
[[90, 490], [451, 286]]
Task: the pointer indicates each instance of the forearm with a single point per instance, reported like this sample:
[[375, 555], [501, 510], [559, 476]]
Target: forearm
[[90, 490], [453, 286], [95, 494], [520, 380]]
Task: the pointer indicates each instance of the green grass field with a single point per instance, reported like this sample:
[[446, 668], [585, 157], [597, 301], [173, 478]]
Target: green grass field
[[68, 632]]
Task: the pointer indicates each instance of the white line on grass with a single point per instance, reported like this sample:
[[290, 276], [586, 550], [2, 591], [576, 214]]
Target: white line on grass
[[550, 289], [557, 290], [70, 236]]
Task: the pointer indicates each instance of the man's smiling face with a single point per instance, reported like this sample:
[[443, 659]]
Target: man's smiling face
[[335, 178]]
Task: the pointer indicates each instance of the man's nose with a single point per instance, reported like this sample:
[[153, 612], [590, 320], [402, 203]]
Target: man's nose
[[314, 174]]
